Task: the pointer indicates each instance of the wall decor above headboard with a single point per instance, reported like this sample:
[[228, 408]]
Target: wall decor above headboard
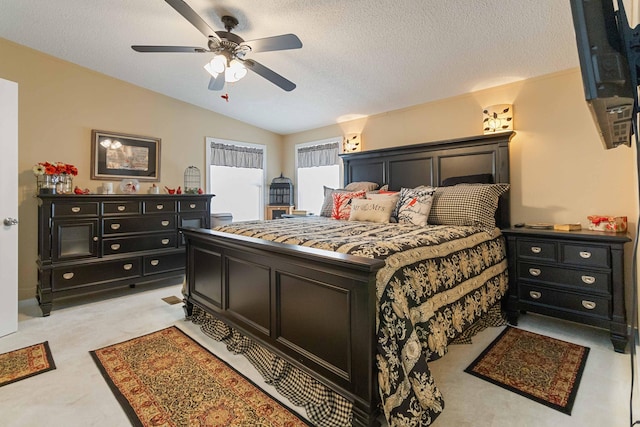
[[433, 163]]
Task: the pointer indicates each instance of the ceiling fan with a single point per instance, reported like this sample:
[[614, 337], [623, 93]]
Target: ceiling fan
[[229, 63]]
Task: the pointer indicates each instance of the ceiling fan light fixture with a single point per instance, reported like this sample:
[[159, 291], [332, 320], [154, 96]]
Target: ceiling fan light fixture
[[235, 72]]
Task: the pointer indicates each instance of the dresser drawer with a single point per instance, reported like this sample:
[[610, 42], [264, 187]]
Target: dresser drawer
[[74, 209], [537, 249], [91, 274], [590, 281], [122, 207], [147, 242], [160, 263], [192, 205], [139, 224], [596, 306], [595, 256], [157, 206]]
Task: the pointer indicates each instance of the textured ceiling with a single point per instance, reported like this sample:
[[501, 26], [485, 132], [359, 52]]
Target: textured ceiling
[[359, 57]]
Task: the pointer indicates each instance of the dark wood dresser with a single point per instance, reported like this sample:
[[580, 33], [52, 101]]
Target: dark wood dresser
[[572, 275], [92, 242]]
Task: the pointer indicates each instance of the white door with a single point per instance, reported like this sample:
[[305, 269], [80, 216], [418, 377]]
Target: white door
[[8, 207]]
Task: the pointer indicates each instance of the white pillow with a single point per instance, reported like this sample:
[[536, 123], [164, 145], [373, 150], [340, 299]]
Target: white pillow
[[372, 210], [414, 205]]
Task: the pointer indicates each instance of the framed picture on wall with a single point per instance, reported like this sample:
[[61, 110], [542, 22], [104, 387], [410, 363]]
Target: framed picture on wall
[[120, 156]]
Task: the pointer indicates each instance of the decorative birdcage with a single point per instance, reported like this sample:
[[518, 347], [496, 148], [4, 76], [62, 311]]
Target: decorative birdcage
[[281, 191], [192, 180]]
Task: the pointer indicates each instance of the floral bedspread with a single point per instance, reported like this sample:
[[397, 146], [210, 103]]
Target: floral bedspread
[[436, 282]]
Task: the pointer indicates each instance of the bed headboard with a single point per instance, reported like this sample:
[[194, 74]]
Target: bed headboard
[[432, 163]]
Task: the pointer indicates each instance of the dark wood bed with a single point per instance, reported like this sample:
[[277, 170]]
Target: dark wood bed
[[273, 292]]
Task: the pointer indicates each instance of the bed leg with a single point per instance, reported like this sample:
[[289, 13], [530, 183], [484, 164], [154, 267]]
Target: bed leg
[[363, 419], [188, 308]]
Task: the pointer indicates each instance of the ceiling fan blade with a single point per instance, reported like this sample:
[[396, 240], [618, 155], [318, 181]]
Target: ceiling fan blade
[[217, 83], [269, 74], [267, 44], [190, 15], [158, 49]]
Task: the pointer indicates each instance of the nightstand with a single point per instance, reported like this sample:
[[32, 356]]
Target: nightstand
[[571, 275], [276, 211]]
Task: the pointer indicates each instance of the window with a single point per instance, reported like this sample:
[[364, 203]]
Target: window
[[317, 165], [236, 176]]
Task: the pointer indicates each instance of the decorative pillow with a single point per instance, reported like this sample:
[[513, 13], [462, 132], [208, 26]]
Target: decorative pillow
[[466, 204], [414, 204], [327, 205], [361, 185], [342, 203], [372, 210]]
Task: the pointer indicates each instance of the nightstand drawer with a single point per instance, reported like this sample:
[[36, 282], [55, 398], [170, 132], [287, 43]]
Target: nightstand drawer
[[586, 304], [590, 281], [537, 249], [595, 256]]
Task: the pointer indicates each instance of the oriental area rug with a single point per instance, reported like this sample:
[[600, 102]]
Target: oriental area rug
[[26, 362], [541, 368], [166, 378]]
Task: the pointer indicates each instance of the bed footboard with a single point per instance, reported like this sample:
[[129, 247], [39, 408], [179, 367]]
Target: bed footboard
[[314, 308]]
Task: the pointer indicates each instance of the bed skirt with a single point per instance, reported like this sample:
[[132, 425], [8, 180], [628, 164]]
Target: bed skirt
[[324, 407]]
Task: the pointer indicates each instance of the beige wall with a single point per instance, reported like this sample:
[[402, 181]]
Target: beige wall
[[60, 103], [560, 171]]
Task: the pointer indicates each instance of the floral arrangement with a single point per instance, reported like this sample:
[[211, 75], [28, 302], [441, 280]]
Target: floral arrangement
[[59, 168]]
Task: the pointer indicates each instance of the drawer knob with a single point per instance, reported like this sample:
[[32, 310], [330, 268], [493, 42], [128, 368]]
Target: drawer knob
[[192, 205], [159, 207], [115, 226], [536, 249], [127, 266], [95, 238], [155, 262], [115, 246], [67, 276], [589, 280], [165, 241], [535, 294], [589, 305], [535, 271], [164, 223], [75, 209], [121, 208], [585, 254]]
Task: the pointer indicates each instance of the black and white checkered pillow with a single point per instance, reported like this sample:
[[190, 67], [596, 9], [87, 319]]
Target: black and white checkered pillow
[[466, 204]]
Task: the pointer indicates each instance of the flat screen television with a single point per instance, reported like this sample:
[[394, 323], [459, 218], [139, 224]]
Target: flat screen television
[[608, 67]]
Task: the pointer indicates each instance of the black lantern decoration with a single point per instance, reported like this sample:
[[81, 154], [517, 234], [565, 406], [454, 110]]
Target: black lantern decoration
[[281, 191]]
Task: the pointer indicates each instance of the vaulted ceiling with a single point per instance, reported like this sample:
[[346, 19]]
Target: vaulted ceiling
[[359, 57]]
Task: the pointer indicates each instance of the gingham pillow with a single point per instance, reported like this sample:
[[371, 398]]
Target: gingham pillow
[[466, 204], [342, 203], [414, 205]]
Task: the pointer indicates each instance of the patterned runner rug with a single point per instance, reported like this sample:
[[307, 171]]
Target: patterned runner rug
[[25, 362], [541, 368], [166, 378]]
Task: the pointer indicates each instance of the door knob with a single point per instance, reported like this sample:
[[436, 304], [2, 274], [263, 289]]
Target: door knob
[[10, 221]]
